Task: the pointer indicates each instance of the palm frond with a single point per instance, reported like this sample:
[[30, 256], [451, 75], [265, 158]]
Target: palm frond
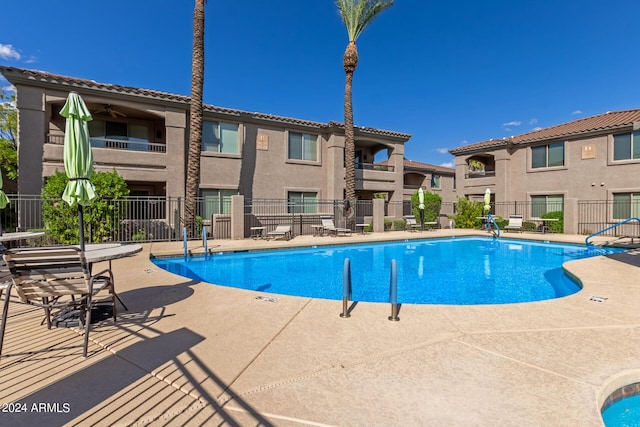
[[357, 14]]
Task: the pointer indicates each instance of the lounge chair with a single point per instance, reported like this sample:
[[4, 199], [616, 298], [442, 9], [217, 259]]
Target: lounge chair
[[331, 229], [515, 223], [282, 230], [57, 278], [412, 224]]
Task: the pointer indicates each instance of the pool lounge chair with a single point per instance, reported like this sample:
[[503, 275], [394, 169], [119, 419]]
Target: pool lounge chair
[[331, 229], [282, 230], [412, 224], [515, 223]]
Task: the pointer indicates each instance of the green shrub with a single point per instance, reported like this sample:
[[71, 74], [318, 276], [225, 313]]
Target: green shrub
[[529, 226], [432, 204], [101, 219], [467, 213], [399, 224], [388, 224], [555, 226]]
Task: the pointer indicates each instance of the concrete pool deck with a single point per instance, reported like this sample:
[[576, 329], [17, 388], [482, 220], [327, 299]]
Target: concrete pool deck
[[189, 353]]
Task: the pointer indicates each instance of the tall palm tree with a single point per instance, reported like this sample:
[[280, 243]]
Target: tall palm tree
[[195, 118], [356, 15]]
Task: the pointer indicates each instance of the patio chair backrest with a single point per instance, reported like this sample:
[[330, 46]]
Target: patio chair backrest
[[515, 220], [327, 222], [48, 272], [411, 220]]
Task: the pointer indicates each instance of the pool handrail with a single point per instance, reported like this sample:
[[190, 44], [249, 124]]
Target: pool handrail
[[586, 240], [492, 220]]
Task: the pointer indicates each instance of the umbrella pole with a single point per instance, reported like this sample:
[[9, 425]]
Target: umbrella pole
[[81, 224]]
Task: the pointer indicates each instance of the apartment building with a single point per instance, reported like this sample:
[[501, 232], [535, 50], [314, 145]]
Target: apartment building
[[143, 134], [591, 159]]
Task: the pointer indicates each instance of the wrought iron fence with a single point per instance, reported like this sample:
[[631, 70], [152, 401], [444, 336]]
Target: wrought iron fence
[[162, 218], [596, 215]]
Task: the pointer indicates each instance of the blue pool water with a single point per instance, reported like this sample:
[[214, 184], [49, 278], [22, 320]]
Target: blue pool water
[[434, 271], [623, 413]]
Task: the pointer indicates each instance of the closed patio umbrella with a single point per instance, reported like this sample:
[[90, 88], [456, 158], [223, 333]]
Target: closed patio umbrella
[[487, 201], [78, 159], [4, 200], [421, 205]]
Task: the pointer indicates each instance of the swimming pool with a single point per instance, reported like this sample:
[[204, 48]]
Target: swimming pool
[[460, 271]]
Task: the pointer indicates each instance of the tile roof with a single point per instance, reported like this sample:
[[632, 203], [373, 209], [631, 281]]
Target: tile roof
[[43, 78], [410, 164], [600, 124]]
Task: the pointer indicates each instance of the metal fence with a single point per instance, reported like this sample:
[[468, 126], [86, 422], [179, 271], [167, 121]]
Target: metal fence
[[303, 215], [162, 218], [596, 215]]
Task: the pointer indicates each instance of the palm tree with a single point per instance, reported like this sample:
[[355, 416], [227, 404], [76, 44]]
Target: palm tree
[[195, 118], [356, 15]]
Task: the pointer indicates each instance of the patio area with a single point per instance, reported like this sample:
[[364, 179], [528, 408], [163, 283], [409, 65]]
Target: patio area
[[189, 353]]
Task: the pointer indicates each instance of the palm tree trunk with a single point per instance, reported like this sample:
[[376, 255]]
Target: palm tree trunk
[[349, 149], [195, 118], [350, 63]]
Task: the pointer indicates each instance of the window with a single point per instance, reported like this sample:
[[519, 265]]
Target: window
[[219, 137], [303, 146], [626, 205], [626, 146], [302, 202], [547, 156], [435, 181], [215, 202], [541, 205], [119, 135]]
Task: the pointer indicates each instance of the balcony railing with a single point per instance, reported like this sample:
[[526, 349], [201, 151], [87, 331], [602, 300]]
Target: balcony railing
[[116, 144], [374, 167], [480, 174]]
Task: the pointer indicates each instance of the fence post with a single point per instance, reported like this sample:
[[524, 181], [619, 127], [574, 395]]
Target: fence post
[[237, 217], [571, 216]]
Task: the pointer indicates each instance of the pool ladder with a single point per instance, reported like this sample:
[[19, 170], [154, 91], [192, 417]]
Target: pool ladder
[[492, 221], [347, 290], [204, 241]]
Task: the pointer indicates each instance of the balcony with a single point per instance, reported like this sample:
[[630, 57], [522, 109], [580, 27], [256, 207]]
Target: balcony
[[115, 144], [375, 177]]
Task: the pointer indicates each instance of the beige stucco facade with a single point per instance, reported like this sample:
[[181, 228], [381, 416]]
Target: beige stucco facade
[[155, 163], [586, 169]]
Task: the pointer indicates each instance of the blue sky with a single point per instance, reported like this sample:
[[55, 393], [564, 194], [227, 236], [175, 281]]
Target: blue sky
[[448, 72]]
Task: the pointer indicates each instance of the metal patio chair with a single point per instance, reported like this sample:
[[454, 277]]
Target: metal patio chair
[[57, 278]]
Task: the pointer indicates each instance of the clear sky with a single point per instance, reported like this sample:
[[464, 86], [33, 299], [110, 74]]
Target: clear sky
[[449, 72]]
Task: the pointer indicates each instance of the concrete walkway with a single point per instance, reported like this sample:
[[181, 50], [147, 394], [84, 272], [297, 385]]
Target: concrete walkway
[[189, 353]]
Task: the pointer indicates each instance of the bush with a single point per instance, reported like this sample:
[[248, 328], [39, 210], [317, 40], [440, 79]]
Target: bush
[[101, 219], [555, 226], [432, 204], [388, 224], [399, 224], [467, 213]]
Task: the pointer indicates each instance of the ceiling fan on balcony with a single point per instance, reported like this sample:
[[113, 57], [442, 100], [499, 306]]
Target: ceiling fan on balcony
[[108, 109]]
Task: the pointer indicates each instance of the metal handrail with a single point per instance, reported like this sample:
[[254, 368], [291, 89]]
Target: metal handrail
[[586, 240], [492, 220]]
